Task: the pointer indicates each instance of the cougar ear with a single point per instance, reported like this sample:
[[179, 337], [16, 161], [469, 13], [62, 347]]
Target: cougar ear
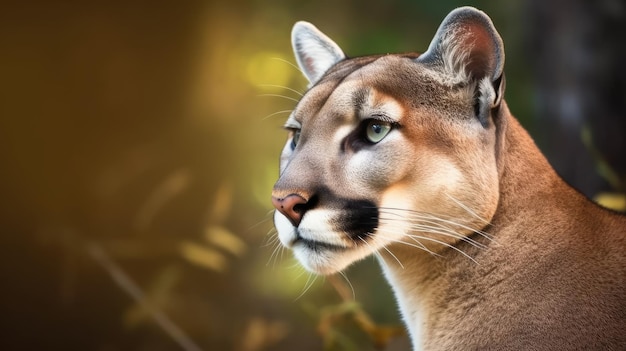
[[314, 51], [468, 49]]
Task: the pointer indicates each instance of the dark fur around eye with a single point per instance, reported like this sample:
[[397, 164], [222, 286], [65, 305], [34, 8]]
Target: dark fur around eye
[[358, 139], [295, 137]]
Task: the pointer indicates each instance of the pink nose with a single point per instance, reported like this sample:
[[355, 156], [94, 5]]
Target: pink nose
[[292, 206]]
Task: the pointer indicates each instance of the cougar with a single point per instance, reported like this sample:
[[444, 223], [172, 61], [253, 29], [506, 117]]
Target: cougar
[[416, 159]]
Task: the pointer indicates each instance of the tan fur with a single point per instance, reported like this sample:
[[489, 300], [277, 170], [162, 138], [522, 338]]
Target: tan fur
[[485, 246]]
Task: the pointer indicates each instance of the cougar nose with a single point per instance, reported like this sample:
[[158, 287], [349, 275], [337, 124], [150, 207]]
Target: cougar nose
[[292, 206]]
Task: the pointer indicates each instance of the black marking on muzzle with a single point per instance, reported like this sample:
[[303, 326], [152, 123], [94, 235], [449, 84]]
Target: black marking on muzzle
[[359, 219]]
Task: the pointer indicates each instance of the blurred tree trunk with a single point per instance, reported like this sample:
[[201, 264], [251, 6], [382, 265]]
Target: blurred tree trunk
[[578, 51]]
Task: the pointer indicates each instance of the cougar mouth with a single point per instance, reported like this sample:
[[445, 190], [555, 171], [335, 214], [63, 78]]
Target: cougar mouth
[[350, 229], [332, 234], [318, 246]]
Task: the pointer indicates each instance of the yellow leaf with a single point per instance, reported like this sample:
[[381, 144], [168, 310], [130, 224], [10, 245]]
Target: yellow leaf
[[203, 256], [171, 186], [222, 202], [225, 239], [613, 201], [261, 333]]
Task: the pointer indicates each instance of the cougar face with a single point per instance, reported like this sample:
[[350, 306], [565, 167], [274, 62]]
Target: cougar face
[[417, 160], [381, 150]]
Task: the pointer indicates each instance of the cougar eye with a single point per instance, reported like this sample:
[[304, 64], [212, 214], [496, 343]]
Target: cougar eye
[[376, 130], [295, 138]]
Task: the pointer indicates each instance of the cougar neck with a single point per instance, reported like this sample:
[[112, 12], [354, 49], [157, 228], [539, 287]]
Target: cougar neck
[[527, 181]]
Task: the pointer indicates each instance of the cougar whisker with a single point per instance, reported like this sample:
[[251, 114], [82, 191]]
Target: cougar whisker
[[420, 215], [281, 87], [466, 208], [289, 63], [418, 246], [444, 244], [275, 113], [309, 283], [439, 242], [349, 284], [278, 247], [449, 233], [384, 247], [441, 230], [280, 96]]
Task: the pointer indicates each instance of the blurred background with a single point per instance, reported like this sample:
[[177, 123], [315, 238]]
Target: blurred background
[[139, 143]]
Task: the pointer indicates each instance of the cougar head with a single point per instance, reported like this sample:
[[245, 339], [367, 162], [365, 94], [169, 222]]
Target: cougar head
[[391, 152]]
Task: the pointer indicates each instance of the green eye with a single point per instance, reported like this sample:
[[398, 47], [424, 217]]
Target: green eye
[[295, 138], [376, 130]]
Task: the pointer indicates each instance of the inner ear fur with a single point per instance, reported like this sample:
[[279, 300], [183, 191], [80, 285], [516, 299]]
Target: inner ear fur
[[467, 46], [314, 51]]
